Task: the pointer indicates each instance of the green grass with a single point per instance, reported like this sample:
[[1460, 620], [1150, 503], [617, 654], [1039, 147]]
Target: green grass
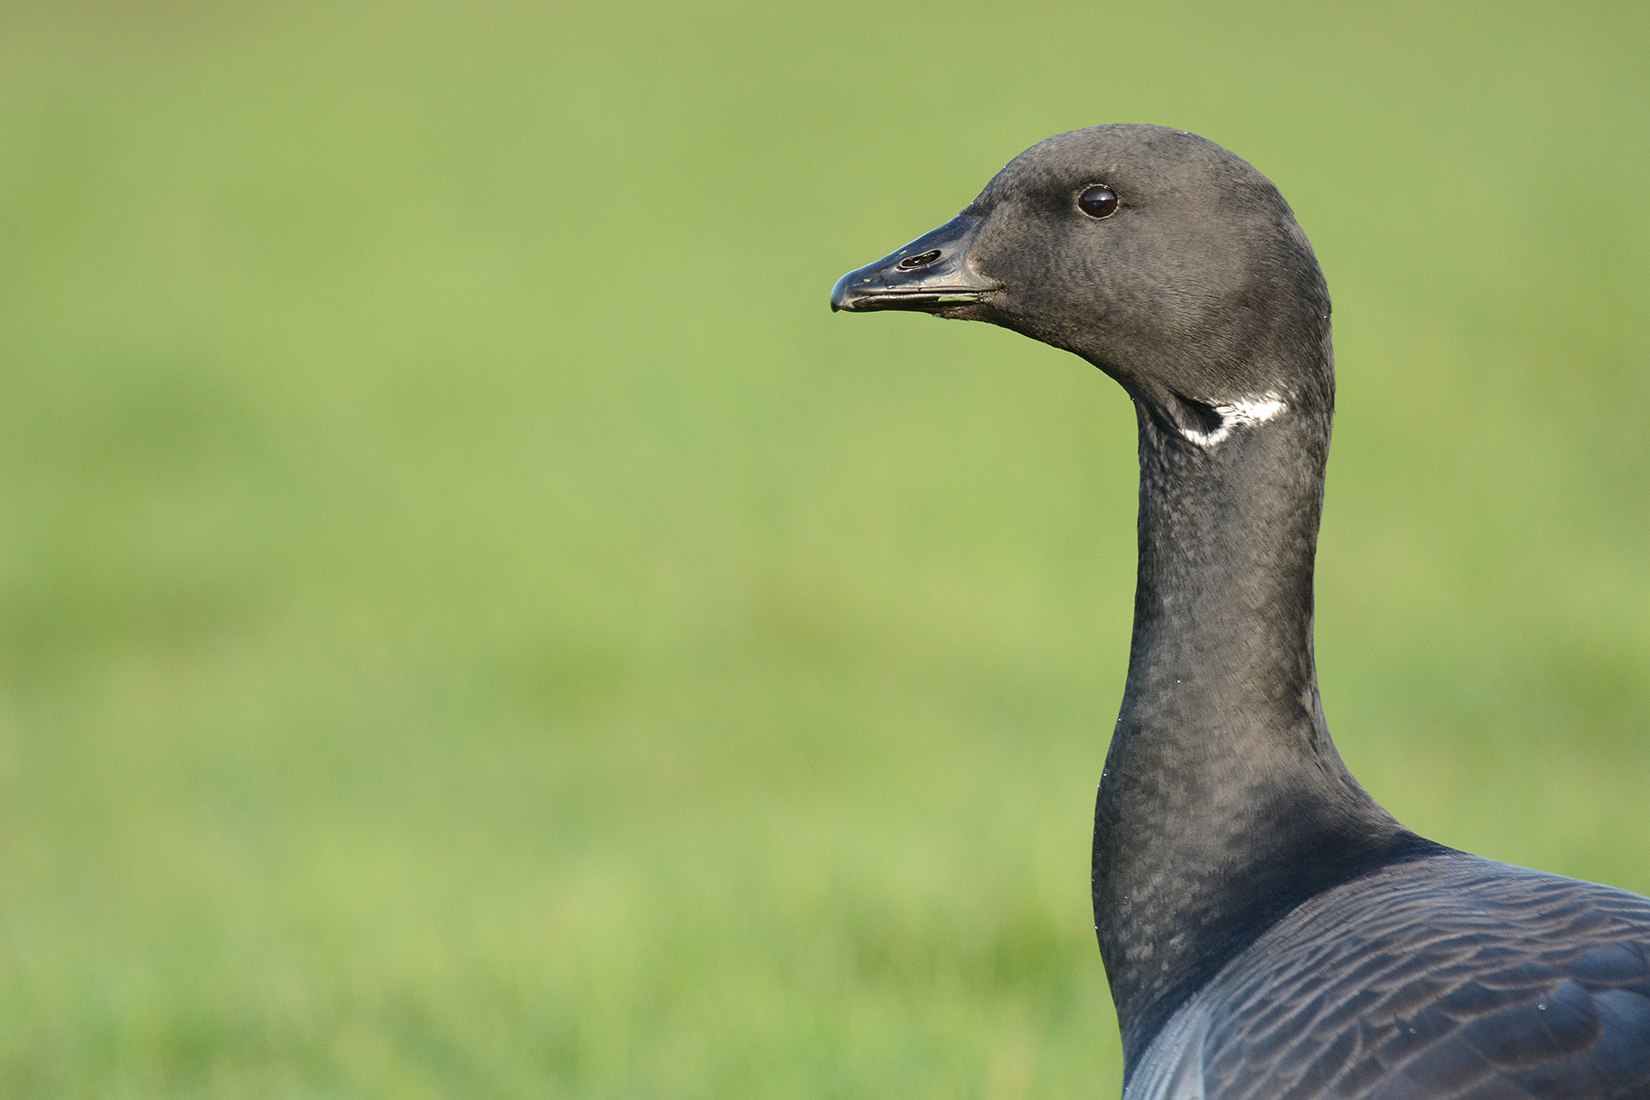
[[473, 624]]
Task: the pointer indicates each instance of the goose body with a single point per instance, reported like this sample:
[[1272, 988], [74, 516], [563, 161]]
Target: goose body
[[1268, 930]]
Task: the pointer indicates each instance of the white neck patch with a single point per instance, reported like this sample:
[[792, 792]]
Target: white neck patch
[[1245, 410]]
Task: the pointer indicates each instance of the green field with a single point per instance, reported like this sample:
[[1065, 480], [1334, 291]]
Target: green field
[[473, 623]]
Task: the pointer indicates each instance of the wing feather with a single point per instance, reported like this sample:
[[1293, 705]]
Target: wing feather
[[1446, 978]]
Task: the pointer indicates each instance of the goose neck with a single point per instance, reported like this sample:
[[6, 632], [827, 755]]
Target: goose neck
[[1223, 803]]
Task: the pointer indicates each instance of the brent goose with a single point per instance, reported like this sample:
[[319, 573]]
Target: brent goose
[[1268, 929]]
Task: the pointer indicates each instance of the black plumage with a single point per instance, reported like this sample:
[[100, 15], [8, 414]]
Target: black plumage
[[1267, 928]]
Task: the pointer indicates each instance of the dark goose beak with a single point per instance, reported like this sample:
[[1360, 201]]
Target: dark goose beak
[[931, 275]]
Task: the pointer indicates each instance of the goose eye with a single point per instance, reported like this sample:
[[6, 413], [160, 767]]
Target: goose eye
[[1098, 202]]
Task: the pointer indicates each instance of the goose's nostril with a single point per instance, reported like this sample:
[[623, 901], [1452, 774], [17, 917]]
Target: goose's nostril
[[920, 261]]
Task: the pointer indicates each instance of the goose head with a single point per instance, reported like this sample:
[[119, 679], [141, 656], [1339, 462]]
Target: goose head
[[1160, 257]]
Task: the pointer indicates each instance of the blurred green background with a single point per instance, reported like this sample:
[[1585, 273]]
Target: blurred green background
[[473, 623]]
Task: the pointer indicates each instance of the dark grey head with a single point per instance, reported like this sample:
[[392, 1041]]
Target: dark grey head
[[1161, 258]]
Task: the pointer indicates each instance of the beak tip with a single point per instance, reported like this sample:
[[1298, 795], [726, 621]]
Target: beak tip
[[840, 299]]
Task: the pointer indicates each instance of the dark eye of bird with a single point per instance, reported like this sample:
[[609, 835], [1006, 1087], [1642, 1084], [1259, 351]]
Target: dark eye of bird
[[1098, 202]]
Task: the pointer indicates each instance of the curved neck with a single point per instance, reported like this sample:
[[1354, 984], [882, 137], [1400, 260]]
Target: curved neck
[[1223, 803]]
